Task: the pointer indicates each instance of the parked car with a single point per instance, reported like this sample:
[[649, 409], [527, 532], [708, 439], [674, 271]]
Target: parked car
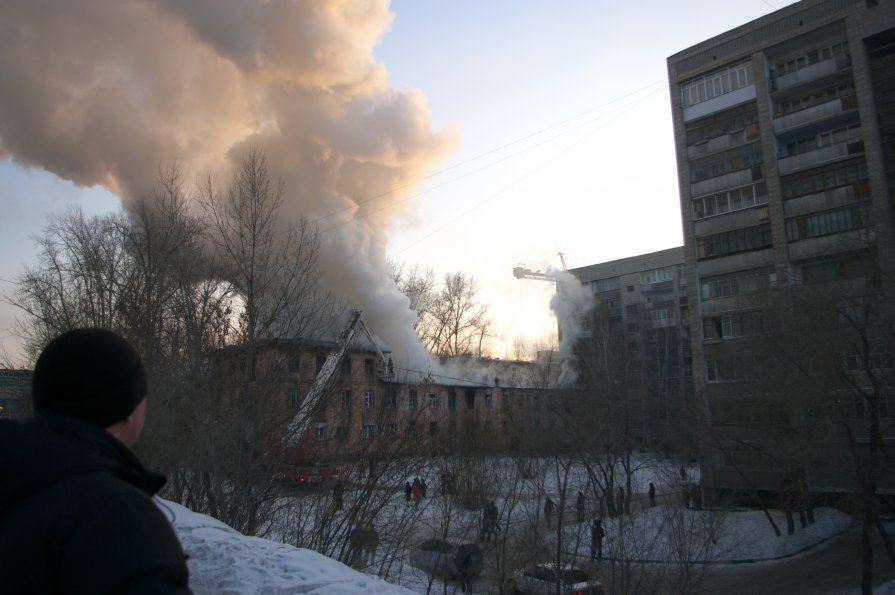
[[543, 579], [439, 558]]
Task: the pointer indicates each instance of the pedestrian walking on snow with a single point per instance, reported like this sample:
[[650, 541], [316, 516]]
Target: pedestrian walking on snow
[[652, 494], [408, 490]]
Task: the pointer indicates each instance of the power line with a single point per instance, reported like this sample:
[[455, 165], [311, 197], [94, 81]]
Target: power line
[[483, 155], [526, 175]]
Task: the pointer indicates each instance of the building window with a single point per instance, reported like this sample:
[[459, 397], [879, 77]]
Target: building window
[[392, 430], [728, 201], [320, 432], [798, 61], [345, 399], [412, 398], [728, 122], [757, 237], [717, 83], [318, 363], [656, 275], [369, 430], [730, 326], [737, 159], [739, 283], [821, 224], [826, 138], [604, 285], [293, 363], [826, 178], [488, 400], [433, 401], [392, 397], [662, 316], [837, 268], [369, 369], [730, 368], [368, 399], [452, 401], [294, 398], [346, 365]]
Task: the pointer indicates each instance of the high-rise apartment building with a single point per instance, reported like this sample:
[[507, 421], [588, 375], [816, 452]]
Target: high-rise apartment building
[[636, 344], [785, 140]]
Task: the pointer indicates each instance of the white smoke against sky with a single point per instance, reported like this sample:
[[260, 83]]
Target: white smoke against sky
[[571, 304], [107, 91]]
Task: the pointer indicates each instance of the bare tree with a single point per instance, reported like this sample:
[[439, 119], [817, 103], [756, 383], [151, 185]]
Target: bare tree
[[457, 324]]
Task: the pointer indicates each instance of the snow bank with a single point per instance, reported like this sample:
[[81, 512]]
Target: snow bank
[[223, 561]]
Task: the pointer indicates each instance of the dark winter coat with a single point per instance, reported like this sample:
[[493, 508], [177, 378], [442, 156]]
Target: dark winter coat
[[76, 514]]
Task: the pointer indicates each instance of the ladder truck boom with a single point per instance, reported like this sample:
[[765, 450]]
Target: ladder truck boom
[[323, 383], [300, 422]]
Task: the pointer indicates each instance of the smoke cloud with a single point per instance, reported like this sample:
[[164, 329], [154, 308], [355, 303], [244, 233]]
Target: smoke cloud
[[106, 91], [571, 303]]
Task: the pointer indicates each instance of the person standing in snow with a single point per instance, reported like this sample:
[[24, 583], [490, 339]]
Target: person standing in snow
[[620, 500], [338, 494], [548, 510], [652, 494], [76, 509], [416, 492], [579, 507], [408, 490], [596, 540]]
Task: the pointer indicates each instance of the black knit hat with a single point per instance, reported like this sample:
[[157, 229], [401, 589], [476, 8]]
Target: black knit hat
[[89, 373]]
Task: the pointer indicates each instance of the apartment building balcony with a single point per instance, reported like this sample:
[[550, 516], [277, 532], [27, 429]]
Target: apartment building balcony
[[731, 220], [821, 156], [717, 104], [736, 303], [811, 73], [726, 141], [847, 241], [828, 113], [827, 199], [740, 261], [718, 183]]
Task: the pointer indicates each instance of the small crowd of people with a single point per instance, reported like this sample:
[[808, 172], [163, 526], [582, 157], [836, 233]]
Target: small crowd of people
[[415, 490]]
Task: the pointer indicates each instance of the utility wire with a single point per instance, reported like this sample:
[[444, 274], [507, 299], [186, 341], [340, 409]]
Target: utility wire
[[526, 175], [481, 156]]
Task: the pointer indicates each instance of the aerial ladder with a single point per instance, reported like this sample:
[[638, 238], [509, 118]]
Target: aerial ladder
[[325, 378], [522, 272]]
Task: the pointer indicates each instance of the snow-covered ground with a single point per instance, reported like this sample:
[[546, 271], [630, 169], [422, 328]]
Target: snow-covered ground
[[223, 561]]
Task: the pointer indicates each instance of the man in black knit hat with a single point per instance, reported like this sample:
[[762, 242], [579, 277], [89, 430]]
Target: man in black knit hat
[[76, 509]]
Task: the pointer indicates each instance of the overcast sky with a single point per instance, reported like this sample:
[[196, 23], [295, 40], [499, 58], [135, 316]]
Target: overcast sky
[[500, 132]]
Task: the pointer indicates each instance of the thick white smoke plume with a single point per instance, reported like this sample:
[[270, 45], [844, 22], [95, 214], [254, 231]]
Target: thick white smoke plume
[[571, 304], [107, 91]]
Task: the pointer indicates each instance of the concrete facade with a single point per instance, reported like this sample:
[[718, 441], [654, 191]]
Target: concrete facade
[[785, 140]]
